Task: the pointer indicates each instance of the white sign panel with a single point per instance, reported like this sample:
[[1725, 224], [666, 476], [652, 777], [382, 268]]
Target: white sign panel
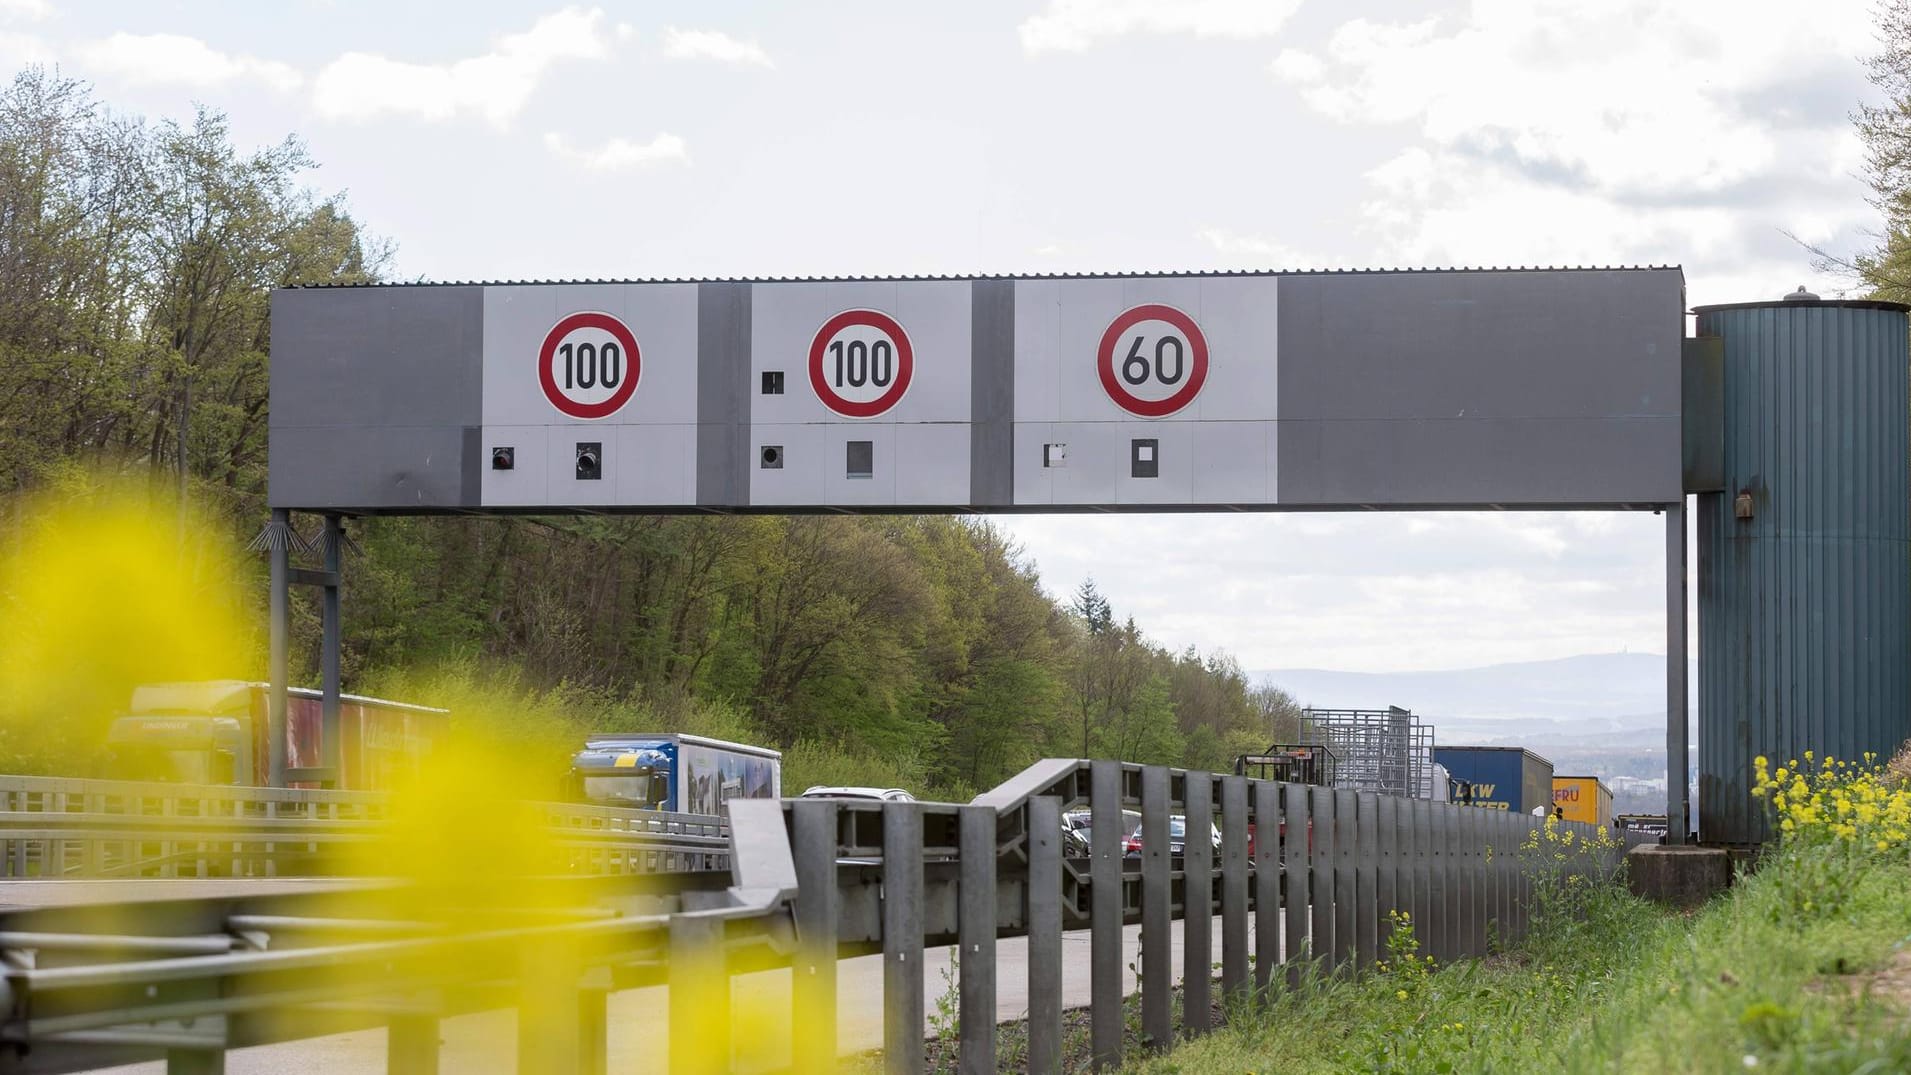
[[1149, 390], [860, 393], [592, 389]]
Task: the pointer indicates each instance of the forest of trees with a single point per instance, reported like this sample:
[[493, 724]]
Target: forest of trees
[[136, 262]]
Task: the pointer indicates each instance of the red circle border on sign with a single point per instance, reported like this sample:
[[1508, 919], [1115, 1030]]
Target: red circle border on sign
[[547, 378], [905, 363], [1105, 360]]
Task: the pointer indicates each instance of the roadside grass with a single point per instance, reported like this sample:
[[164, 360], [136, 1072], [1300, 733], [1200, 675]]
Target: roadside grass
[[1735, 987]]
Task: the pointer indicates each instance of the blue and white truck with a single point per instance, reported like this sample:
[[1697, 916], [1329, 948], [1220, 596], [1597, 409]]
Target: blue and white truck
[[673, 772]]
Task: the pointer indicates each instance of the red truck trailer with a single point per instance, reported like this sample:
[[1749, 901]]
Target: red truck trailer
[[215, 733]]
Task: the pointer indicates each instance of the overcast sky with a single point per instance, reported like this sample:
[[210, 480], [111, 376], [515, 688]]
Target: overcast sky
[[538, 140]]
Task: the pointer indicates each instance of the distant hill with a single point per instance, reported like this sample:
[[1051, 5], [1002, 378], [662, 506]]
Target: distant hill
[[1602, 712]]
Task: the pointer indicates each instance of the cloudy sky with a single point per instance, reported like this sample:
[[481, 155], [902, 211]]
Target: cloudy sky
[[537, 140]]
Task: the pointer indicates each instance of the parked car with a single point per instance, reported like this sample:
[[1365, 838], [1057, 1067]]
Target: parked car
[[887, 795], [1177, 837], [1078, 830]]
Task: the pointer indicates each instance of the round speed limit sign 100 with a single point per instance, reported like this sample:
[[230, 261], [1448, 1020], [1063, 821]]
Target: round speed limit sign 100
[[588, 365], [1153, 360], [861, 363]]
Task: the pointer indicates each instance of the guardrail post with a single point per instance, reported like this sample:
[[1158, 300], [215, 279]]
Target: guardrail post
[[1104, 894], [1321, 922], [1197, 902], [1157, 973], [1391, 891], [1045, 935], [548, 1021], [1461, 863], [411, 1045], [1346, 888], [1367, 877], [1504, 858], [593, 1026], [1422, 901], [1297, 878], [813, 970], [699, 1040], [1267, 885], [1437, 816], [195, 1062], [903, 1052], [1234, 976], [976, 934]]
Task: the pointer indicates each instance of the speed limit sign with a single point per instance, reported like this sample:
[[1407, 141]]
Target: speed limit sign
[[861, 363], [1153, 360], [588, 365]]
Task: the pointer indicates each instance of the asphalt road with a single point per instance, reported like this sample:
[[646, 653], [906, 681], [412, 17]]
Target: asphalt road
[[486, 1041]]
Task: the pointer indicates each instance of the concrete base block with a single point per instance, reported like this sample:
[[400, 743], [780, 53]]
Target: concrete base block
[[1678, 876]]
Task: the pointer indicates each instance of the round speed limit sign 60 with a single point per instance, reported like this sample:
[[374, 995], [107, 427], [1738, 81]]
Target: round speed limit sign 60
[[588, 365], [1153, 360], [861, 363]]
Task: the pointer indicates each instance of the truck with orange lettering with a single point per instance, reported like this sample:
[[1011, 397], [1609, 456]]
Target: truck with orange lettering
[[1583, 798]]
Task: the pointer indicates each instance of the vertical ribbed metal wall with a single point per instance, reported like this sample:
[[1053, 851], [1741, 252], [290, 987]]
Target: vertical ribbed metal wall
[[1804, 608]]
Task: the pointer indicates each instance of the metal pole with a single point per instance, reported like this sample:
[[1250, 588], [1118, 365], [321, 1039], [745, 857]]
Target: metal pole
[[281, 554], [1676, 761], [329, 744]]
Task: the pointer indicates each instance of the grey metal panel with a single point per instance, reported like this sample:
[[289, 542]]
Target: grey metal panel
[[724, 392], [1804, 608], [1197, 940], [1045, 935], [398, 468], [470, 477], [365, 357], [1546, 379], [1367, 907], [1157, 967], [992, 395], [1104, 894], [1702, 391], [1234, 975], [1267, 883], [976, 934], [902, 938], [813, 966], [1297, 861], [1433, 462]]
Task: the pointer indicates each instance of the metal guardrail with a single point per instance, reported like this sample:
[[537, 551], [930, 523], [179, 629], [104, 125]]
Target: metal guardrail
[[55, 827], [812, 881]]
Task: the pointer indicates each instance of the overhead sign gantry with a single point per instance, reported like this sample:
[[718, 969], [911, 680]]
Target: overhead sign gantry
[[1313, 391]]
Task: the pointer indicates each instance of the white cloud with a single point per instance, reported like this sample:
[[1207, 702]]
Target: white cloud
[[620, 154], [713, 45], [1254, 251], [20, 50], [175, 60], [24, 9], [1553, 131], [1074, 25], [495, 85]]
